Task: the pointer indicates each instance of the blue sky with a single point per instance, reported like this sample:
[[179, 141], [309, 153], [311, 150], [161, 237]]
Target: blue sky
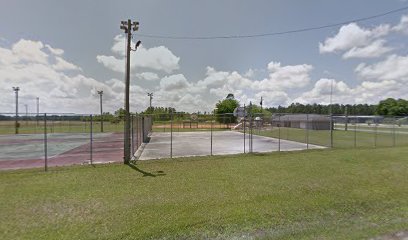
[[64, 51]]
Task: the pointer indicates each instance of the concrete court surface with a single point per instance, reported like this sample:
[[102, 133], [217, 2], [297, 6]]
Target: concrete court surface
[[27, 150], [224, 142]]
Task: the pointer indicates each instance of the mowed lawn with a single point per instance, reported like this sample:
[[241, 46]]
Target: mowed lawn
[[320, 194], [341, 139]]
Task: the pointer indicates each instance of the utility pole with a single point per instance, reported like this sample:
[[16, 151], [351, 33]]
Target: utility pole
[[16, 89], [100, 103], [128, 27], [151, 97]]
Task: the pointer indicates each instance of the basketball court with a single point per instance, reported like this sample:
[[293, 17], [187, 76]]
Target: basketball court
[[27, 150], [184, 144]]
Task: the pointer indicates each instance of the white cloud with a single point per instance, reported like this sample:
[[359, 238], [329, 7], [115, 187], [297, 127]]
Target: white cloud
[[174, 82], [55, 51], [31, 51], [402, 26], [150, 76], [62, 64], [156, 58], [394, 67], [250, 73], [323, 89], [387, 78], [273, 89], [29, 65], [285, 77], [272, 98], [374, 49], [357, 41], [112, 63]]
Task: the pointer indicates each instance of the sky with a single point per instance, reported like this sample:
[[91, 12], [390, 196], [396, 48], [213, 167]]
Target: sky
[[65, 51]]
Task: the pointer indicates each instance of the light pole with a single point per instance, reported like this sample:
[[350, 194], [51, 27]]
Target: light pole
[[151, 97], [128, 27], [100, 103], [16, 89]]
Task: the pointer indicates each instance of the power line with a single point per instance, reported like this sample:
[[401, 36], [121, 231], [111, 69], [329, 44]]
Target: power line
[[274, 33]]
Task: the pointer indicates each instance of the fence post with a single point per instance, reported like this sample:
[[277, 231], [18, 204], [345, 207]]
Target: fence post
[[355, 131], [164, 125], [171, 135], [212, 119], [45, 143], [244, 126], [250, 131], [91, 138], [375, 135], [393, 132], [331, 129], [133, 137], [307, 131], [279, 134], [137, 131]]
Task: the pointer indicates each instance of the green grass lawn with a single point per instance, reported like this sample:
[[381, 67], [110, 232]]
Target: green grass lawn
[[7, 127], [341, 139], [320, 194], [385, 128]]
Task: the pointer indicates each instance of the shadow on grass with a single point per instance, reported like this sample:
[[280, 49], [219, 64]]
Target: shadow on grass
[[146, 174]]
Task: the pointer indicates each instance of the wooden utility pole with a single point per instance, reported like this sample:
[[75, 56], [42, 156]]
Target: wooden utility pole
[[128, 27]]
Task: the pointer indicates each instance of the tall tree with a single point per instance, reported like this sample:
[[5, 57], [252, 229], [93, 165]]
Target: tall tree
[[225, 110], [393, 107]]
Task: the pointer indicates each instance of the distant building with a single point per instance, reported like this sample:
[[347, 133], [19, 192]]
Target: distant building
[[303, 121]]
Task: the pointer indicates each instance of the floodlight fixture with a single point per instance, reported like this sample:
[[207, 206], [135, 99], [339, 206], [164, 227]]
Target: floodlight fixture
[[138, 44], [135, 26]]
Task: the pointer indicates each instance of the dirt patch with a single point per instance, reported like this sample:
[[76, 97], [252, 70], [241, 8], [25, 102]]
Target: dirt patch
[[401, 235]]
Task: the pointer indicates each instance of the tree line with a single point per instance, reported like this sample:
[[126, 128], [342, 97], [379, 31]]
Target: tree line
[[387, 107], [336, 109]]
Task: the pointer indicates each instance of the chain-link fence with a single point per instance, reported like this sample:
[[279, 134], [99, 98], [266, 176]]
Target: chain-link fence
[[181, 134], [33, 140]]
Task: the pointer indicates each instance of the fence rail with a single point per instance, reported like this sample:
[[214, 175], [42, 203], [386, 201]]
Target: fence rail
[[36, 140], [33, 140]]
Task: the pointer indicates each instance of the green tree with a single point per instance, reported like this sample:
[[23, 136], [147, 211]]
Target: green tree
[[393, 107], [120, 115], [225, 110]]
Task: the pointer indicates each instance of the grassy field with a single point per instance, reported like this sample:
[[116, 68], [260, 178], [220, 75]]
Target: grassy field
[[382, 127], [341, 139], [30, 127], [320, 194]]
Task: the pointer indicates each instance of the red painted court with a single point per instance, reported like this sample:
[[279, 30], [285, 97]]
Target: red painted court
[[27, 151]]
